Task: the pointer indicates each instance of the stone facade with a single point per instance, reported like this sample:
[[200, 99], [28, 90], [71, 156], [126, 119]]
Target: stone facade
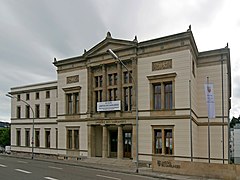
[[159, 70]]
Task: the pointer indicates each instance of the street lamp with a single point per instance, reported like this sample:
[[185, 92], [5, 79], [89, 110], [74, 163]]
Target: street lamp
[[110, 51], [13, 97]]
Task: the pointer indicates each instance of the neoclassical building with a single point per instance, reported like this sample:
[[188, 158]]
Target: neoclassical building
[[90, 110]]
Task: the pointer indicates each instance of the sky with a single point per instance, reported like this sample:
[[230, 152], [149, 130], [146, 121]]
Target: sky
[[33, 32]]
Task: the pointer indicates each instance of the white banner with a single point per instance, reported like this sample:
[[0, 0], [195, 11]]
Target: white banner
[[210, 100], [109, 106]]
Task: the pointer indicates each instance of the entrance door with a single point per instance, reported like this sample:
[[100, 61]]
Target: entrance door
[[127, 144], [113, 143]]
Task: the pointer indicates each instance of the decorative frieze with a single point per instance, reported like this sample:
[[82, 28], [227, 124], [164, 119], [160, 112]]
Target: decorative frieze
[[160, 65], [72, 79]]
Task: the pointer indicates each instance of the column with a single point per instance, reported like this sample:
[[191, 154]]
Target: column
[[134, 141], [90, 99], [120, 142], [91, 141], [105, 142]]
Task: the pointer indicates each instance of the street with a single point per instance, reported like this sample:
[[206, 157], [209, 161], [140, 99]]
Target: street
[[21, 169]]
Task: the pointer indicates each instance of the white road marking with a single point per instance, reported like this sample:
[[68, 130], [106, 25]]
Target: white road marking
[[108, 177], [2, 165], [23, 162], [50, 178], [53, 167], [23, 171]]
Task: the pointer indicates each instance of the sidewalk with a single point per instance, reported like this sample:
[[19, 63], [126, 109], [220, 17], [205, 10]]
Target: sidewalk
[[116, 165]]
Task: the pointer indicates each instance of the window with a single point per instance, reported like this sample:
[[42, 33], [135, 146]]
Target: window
[[47, 94], [127, 93], [110, 79], [73, 103], [193, 68], [157, 96], [73, 138], [127, 78], [27, 138], [18, 97], [37, 111], [163, 141], [48, 110], [37, 138], [98, 81], [18, 112], [27, 96], [47, 138], [37, 95], [27, 111], [163, 96], [168, 95], [115, 78], [18, 138]]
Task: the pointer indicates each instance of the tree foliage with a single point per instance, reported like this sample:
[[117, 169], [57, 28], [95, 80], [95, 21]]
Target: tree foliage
[[5, 134], [234, 121]]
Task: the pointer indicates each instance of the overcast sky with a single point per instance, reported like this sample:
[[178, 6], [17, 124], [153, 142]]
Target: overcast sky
[[33, 32]]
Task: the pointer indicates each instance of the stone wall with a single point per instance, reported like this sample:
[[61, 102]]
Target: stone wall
[[221, 171]]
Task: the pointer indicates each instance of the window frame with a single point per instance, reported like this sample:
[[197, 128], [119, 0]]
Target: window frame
[[163, 139], [73, 138]]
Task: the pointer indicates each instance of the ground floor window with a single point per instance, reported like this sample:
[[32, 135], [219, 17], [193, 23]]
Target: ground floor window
[[18, 138], [47, 138], [72, 138], [37, 138], [27, 138], [163, 140]]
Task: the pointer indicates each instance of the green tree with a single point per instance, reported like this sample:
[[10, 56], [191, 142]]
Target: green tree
[[5, 135], [234, 121]]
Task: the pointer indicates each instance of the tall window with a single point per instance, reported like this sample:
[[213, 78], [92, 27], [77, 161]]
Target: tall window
[[98, 81], [157, 96], [27, 111], [27, 138], [37, 138], [47, 94], [18, 138], [48, 110], [18, 97], [27, 96], [163, 141], [73, 138], [127, 93], [37, 111], [73, 103], [163, 96], [168, 95], [18, 112], [37, 95], [47, 138]]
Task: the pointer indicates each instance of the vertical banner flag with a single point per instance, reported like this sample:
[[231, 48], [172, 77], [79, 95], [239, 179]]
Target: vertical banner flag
[[210, 100]]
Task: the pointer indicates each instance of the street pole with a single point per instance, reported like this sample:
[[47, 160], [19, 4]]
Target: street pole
[[32, 142], [136, 100]]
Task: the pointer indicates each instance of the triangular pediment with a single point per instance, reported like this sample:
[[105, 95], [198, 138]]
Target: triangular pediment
[[109, 43]]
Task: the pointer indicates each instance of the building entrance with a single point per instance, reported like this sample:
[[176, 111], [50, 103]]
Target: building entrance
[[127, 144], [113, 143]]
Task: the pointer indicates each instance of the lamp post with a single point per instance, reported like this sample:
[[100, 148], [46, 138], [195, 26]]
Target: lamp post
[[110, 51], [13, 97]]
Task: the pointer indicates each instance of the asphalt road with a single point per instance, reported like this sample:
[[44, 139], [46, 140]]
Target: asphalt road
[[27, 169]]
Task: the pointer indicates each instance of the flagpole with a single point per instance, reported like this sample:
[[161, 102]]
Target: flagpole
[[208, 131], [190, 103]]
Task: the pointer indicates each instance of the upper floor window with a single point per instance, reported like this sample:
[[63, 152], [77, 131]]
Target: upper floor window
[[127, 100], [18, 97], [18, 112], [127, 77], [27, 96], [73, 103], [27, 111], [98, 81], [47, 94], [37, 111], [37, 95], [112, 79], [162, 91], [48, 110]]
